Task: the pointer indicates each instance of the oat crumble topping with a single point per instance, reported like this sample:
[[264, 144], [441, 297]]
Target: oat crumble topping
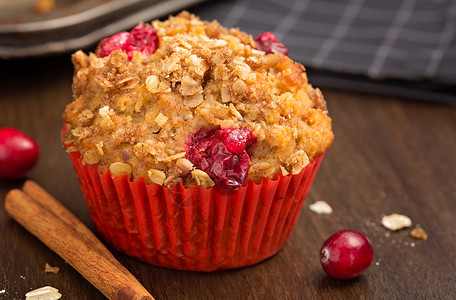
[[134, 117]]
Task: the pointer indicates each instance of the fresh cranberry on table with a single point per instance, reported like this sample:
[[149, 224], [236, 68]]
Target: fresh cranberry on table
[[346, 254], [268, 43], [143, 38], [18, 153], [221, 153]]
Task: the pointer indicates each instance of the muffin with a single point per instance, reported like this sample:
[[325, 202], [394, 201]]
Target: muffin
[[195, 145]]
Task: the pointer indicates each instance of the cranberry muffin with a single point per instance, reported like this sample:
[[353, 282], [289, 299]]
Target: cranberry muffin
[[186, 135]]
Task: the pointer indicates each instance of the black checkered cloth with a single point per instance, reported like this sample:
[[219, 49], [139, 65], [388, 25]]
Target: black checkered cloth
[[404, 48]]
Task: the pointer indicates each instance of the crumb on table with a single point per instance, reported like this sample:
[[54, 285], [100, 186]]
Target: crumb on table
[[50, 269], [419, 233]]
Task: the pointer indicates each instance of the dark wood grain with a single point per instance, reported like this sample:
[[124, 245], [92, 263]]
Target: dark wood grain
[[388, 156]]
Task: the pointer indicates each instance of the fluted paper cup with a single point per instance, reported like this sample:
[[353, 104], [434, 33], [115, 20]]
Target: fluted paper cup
[[194, 229]]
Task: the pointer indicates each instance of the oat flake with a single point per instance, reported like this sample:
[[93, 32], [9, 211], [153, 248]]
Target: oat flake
[[321, 208], [396, 222], [44, 293]]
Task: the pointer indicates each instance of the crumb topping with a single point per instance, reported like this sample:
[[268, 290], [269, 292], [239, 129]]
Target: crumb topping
[[135, 116]]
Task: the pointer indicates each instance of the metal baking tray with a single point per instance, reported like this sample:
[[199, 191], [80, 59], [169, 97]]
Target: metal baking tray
[[73, 24]]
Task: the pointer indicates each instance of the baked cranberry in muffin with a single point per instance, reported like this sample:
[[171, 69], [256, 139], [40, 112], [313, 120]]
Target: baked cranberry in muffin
[[143, 38], [268, 43], [221, 153]]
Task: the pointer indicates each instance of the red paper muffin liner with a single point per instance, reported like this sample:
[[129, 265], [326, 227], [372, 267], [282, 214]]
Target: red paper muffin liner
[[194, 229]]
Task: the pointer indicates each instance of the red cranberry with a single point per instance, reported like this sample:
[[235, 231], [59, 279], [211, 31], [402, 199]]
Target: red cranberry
[[143, 38], [221, 153], [18, 153], [109, 44], [268, 43], [346, 254], [236, 140]]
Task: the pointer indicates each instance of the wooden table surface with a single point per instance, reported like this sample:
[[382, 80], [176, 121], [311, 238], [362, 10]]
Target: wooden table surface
[[389, 156]]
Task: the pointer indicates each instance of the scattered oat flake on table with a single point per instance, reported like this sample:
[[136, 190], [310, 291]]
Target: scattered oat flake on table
[[419, 233], [396, 222], [2, 291], [44, 293], [50, 269], [321, 207]]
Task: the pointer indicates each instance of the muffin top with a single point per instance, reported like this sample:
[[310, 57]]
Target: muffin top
[[194, 102]]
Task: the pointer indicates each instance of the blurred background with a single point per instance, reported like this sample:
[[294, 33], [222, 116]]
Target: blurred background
[[387, 69], [401, 48]]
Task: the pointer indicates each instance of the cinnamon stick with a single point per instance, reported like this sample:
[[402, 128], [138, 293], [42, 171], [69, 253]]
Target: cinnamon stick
[[82, 255], [46, 200]]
